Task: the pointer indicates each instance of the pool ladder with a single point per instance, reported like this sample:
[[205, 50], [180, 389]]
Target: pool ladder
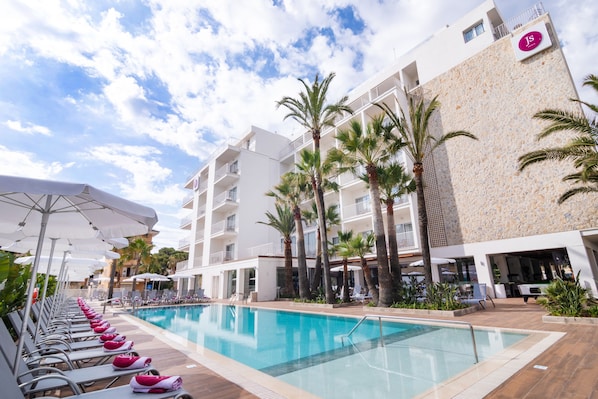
[[419, 320]]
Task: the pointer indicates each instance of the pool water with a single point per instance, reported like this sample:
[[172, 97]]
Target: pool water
[[311, 351]]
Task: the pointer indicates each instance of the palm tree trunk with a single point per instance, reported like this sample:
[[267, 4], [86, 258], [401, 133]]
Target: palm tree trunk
[[384, 279], [289, 290], [367, 274], [418, 169], [317, 281], [301, 257], [345, 280], [324, 240], [393, 250]]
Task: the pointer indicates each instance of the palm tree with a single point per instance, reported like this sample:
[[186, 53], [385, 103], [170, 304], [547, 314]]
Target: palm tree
[[139, 251], [580, 149], [311, 110], [370, 149], [311, 167], [394, 183], [284, 223], [332, 219], [361, 247], [413, 130], [345, 250], [290, 191]]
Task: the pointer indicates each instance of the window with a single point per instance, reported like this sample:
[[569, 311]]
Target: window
[[473, 32], [405, 235], [232, 194], [362, 204], [229, 252], [234, 167], [230, 223], [310, 244]]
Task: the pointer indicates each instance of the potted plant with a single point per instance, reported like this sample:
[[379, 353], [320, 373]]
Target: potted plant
[[499, 288]]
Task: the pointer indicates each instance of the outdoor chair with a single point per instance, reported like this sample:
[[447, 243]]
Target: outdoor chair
[[83, 377], [13, 390], [60, 354], [62, 339], [477, 296]]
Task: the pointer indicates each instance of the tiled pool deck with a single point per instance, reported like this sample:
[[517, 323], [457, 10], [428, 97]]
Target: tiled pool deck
[[568, 367]]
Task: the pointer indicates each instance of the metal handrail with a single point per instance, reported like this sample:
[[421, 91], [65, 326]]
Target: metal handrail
[[429, 321]]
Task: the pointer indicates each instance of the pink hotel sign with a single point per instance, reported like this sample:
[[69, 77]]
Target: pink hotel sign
[[531, 41]]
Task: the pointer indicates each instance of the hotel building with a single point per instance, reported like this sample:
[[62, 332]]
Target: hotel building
[[491, 76]]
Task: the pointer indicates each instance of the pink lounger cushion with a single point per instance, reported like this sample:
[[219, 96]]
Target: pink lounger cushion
[[104, 329], [127, 362], [110, 346], [112, 337], [155, 383]]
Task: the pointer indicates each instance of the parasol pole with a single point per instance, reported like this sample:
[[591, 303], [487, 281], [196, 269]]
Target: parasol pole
[[27, 312]]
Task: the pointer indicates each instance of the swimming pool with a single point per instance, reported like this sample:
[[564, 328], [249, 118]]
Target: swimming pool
[[308, 350]]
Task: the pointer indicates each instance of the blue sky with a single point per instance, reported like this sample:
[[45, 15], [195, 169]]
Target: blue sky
[[132, 96]]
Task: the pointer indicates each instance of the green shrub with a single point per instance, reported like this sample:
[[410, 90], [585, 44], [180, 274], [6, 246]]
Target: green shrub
[[439, 296], [568, 298], [13, 283]]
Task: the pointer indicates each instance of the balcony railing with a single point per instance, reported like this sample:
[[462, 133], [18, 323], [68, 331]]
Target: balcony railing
[[528, 15], [186, 220], [226, 169], [187, 199], [183, 243], [223, 198], [202, 187], [223, 227], [268, 249], [358, 209], [216, 258]]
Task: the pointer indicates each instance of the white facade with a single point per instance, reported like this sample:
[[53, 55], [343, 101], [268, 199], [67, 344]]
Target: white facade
[[480, 209]]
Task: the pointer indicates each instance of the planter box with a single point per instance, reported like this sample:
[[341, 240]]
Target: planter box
[[499, 291], [588, 321], [425, 312], [320, 305]]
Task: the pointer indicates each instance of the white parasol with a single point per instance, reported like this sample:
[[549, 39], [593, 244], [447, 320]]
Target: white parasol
[[54, 209], [434, 261]]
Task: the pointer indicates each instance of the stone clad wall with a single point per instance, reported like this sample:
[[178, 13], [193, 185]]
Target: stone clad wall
[[481, 195]]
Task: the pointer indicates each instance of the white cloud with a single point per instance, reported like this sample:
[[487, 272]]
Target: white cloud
[[144, 179], [28, 128], [24, 164]]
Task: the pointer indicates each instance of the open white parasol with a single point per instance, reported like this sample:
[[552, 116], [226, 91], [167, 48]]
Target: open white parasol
[[45, 208]]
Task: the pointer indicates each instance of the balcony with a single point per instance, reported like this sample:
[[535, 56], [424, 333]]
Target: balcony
[[201, 212], [357, 210], [216, 258], [225, 202], [199, 237], [184, 244], [223, 229], [186, 222], [202, 188], [188, 201], [514, 23], [226, 174], [267, 249]]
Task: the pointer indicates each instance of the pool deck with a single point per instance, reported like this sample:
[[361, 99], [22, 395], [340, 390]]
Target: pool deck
[[567, 369]]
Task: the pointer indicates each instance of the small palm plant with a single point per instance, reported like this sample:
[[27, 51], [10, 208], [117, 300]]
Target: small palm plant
[[567, 298]]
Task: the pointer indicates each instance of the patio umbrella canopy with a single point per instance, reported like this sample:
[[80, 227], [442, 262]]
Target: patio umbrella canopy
[[54, 209], [349, 268], [435, 261]]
